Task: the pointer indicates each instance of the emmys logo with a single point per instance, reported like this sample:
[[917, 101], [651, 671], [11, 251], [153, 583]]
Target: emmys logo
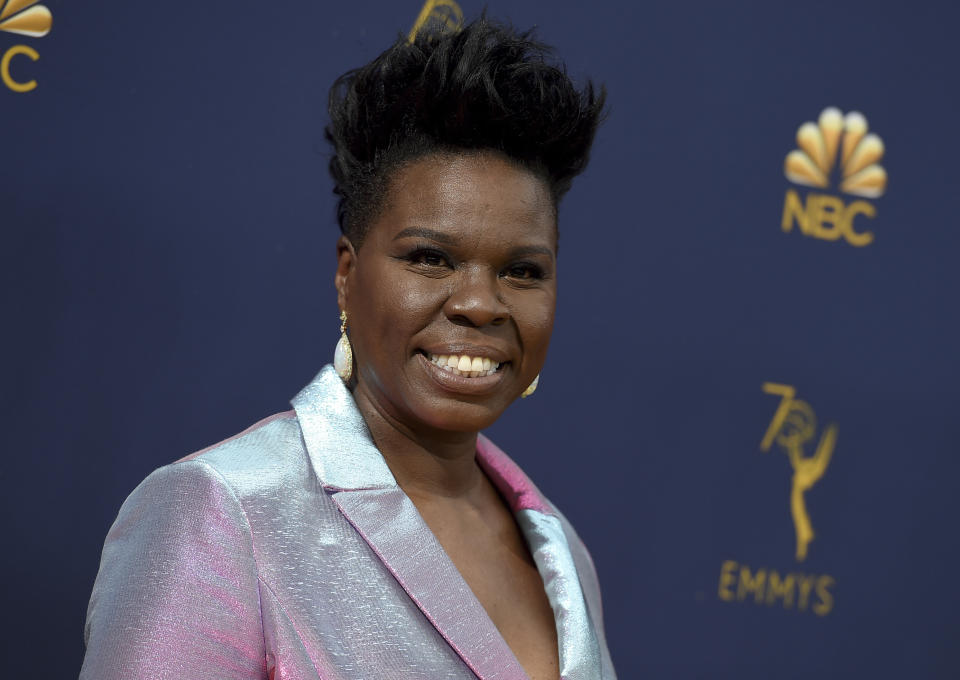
[[793, 426], [814, 164], [438, 16], [22, 17]]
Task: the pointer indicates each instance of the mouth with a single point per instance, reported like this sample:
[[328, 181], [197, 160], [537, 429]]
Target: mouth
[[464, 365]]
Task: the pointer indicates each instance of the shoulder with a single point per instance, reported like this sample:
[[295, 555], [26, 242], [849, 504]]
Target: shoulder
[[219, 480], [177, 590], [190, 515], [261, 456]]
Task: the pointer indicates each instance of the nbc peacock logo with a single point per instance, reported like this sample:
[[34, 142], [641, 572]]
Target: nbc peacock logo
[[27, 18], [837, 151]]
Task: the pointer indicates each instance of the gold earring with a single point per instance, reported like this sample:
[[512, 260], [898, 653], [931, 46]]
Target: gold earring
[[343, 355], [533, 387]]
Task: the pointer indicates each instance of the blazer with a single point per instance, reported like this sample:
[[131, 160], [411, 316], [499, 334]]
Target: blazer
[[289, 551]]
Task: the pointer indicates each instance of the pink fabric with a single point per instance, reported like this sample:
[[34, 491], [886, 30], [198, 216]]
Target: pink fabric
[[241, 563], [519, 492]]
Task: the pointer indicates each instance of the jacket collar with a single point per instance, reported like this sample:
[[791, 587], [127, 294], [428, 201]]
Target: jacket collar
[[345, 458], [341, 449], [352, 470]]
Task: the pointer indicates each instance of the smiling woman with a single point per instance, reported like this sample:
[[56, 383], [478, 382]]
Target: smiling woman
[[372, 532], [459, 264]]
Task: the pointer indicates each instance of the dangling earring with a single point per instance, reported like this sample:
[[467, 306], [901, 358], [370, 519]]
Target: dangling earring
[[533, 387], [343, 355]]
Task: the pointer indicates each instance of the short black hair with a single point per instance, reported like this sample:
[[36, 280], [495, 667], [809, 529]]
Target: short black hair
[[485, 87]]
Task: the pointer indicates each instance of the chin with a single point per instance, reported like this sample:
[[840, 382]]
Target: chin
[[460, 416]]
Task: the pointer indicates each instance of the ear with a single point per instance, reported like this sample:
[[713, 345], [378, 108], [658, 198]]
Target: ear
[[346, 263]]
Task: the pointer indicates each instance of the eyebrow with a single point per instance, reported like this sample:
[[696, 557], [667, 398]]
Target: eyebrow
[[432, 234], [520, 251], [445, 238]]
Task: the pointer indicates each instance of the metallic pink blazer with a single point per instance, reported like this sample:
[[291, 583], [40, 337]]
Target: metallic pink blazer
[[289, 551]]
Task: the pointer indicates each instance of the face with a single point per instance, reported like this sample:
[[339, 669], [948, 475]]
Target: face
[[461, 262]]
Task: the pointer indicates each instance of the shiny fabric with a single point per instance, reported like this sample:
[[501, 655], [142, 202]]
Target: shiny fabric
[[289, 551]]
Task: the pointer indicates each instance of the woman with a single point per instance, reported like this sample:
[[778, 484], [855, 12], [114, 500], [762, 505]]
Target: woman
[[371, 532]]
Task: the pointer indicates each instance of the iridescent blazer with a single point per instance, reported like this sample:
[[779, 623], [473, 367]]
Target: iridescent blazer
[[289, 551]]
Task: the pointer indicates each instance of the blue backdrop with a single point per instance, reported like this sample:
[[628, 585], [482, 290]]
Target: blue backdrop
[[732, 369]]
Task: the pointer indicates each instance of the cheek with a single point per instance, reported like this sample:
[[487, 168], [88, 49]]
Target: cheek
[[537, 326], [394, 306], [406, 305]]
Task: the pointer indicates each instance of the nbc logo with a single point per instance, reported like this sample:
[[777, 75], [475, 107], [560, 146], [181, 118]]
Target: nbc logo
[[834, 145], [26, 18], [22, 17]]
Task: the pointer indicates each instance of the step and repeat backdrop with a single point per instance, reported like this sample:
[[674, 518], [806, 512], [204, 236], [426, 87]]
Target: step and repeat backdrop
[[750, 406]]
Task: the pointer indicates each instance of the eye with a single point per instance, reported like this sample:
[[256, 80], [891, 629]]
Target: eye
[[428, 257], [524, 271]]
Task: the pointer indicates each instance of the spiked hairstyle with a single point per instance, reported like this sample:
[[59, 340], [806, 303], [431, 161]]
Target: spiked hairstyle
[[485, 87]]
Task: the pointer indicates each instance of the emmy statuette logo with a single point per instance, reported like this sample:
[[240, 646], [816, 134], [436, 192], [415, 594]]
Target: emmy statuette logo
[[438, 16], [793, 428], [837, 149], [22, 17]]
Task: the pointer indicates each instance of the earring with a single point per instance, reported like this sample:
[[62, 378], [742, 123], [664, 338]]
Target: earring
[[343, 355], [533, 387]]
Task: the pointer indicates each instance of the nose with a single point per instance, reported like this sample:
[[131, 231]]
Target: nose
[[476, 300]]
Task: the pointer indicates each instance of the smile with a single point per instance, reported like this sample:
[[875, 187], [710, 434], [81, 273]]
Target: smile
[[464, 365]]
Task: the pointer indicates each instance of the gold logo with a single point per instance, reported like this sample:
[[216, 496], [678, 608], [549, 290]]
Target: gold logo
[[834, 137], [792, 426], [439, 15], [23, 17], [812, 163], [18, 16]]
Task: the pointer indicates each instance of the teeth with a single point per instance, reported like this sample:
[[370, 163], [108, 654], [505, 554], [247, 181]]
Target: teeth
[[467, 366]]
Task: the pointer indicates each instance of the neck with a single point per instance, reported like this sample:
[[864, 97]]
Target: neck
[[424, 463]]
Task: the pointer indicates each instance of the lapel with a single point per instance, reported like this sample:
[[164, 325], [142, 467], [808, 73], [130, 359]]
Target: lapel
[[351, 469], [580, 657]]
